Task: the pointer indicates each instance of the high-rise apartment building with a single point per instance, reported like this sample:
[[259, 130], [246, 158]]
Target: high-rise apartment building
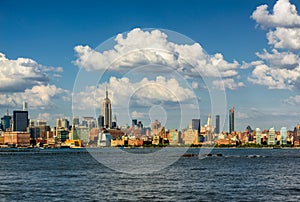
[[271, 138], [283, 134], [258, 135]]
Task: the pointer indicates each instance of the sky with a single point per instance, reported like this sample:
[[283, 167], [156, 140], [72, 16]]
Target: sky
[[166, 60]]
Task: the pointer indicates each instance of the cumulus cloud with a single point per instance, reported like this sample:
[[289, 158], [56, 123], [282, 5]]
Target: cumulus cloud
[[38, 97], [278, 69], [143, 92], [283, 24], [140, 47], [293, 100], [284, 15], [275, 78], [228, 83], [22, 73], [288, 38], [288, 60]]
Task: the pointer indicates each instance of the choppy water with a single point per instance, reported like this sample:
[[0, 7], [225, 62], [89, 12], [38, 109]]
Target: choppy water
[[74, 175]]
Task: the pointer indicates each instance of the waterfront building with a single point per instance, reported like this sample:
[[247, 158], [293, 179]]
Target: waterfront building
[[174, 137], [296, 135], [190, 136], [20, 121], [283, 135], [271, 136], [258, 135], [196, 124], [217, 129], [104, 139], [231, 120], [106, 111], [16, 138], [62, 134], [6, 122]]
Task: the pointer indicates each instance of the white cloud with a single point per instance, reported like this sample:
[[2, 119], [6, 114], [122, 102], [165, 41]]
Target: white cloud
[[137, 115], [123, 92], [274, 78], [278, 69], [22, 73], [288, 38], [38, 97], [284, 15], [283, 24], [288, 60], [228, 83], [293, 100], [140, 47]]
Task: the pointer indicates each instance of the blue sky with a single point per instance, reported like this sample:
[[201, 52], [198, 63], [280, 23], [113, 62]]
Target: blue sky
[[47, 33]]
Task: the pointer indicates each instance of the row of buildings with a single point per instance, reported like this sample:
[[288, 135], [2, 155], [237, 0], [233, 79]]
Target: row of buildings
[[18, 131]]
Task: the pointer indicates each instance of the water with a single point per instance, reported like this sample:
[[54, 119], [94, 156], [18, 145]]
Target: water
[[73, 175]]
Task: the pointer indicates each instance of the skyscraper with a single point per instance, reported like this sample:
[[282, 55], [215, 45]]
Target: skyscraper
[[217, 129], [20, 120], [196, 124], [100, 121], [106, 111], [231, 120], [6, 122]]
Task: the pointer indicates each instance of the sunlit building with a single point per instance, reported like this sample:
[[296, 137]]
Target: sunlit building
[[271, 136], [258, 135], [283, 135], [107, 111]]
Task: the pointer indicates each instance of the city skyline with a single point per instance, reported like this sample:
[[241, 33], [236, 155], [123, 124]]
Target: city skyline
[[252, 44]]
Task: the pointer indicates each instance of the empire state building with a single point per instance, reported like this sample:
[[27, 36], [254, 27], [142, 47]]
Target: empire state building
[[106, 111]]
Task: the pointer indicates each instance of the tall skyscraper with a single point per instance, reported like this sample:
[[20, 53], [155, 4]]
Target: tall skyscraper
[[231, 120], [6, 122], [106, 111], [217, 129], [20, 120], [196, 124]]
